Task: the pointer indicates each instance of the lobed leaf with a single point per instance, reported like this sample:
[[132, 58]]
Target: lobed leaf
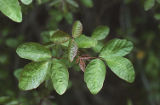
[[77, 29], [85, 42], [60, 37], [101, 32], [33, 75], [122, 67], [11, 9], [72, 50], [33, 51], [94, 75], [115, 48], [59, 76]]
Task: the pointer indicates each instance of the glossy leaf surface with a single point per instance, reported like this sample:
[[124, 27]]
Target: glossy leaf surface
[[33, 51], [11, 9]]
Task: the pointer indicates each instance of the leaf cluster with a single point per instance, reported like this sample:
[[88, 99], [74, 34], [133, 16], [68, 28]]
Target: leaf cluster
[[47, 65]]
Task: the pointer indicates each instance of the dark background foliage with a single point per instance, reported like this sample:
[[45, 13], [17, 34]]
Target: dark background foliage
[[126, 19]]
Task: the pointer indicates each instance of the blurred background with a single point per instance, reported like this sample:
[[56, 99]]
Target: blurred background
[[129, 19]]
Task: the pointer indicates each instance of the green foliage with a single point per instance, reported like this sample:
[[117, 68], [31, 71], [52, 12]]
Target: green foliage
[[129, 102], [157, 16], [46, 35], [68, 17], [33, 75], [65, 51], [11, 42], [101, 32], [12, 9], [76, 51], [73, 3], [98, 47], [4, 99], [77, 29], [148, 4], [122, 67], [116, 48], [3, 59], [17, 73], [26, 2], [60, 37], [43, 1], [112, 54], [33, 51], [59, 76], [87, 3], [94, 75], [85, 42]]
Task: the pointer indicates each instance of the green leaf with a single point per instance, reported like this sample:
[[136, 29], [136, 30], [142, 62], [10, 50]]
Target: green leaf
[[77, 29], [73, 3], [87, 3], [4, 59], [33, 75], [122, 67], [98, 47], [85, 42], [129, 102], [45, 35], [17, 73], [68, 17], [12, 42], [157, 16], [59, 76], [60, 37], [11, 9], [116, 47], [72, 50], [148, 4], [65, 44], [101, 32], [26, 2], [94, 75], [33, 51]]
